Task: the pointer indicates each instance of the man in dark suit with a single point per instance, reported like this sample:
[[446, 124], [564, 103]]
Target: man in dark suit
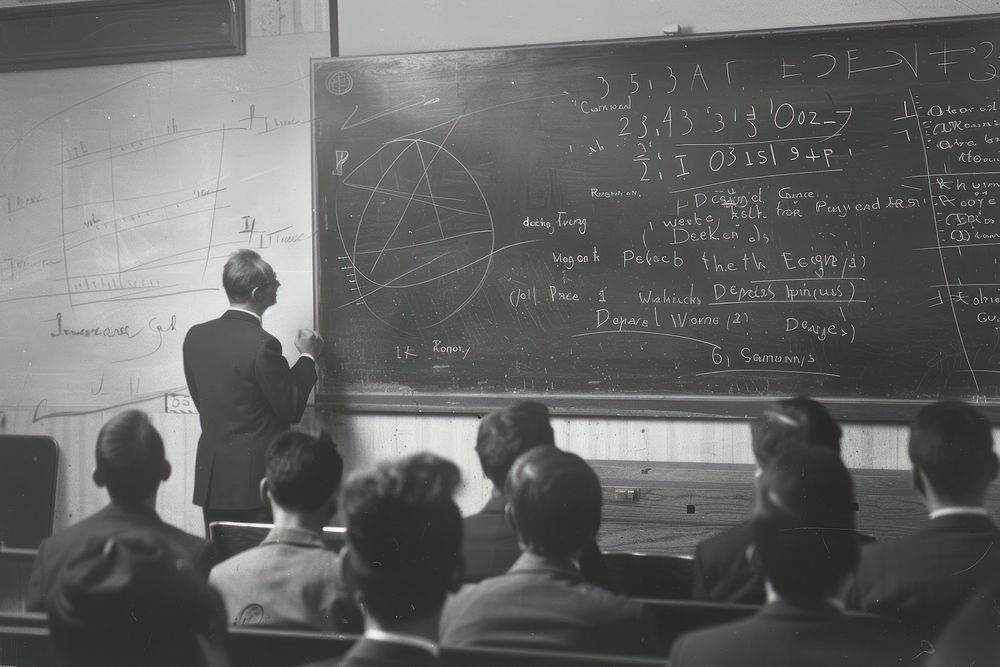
[[807, 547], [923, 578], [244, 390], [724, 567], [403, 555], [130, 464], [543, 601], [490, 546]]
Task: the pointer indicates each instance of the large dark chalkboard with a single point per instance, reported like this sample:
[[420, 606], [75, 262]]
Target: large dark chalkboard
[[668, 225]]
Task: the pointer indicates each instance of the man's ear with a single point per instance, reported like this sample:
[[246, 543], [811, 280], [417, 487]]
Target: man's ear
[[994, 466], [265, 492], [457, 575], [508, 513], [166, 471], [98, 478], [918, 481]]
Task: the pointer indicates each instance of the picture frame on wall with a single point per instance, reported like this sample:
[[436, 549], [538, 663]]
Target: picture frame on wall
[[47, 34]]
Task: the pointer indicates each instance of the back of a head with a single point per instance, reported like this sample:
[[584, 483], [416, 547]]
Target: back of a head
[[303, 471], [804, 529], [789, 422], [244, 271], [507, 433], [130, 460], [952, 444], [555, 498], [404, 536], [129, 600]]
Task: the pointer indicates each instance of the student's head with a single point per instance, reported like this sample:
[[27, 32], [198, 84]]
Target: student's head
[[951, 447], [404, 537], [249, 280], [507, 433], [302, 473], [128, 600], [130, 459], [804, 528], [554, 502], [791, 422]]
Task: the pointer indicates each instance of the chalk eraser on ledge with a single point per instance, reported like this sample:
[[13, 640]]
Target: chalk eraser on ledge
[[672, 29]]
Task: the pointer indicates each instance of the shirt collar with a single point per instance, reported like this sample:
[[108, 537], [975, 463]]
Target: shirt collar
[[972, 510], [248, 312], [407, 640], [296, 536]]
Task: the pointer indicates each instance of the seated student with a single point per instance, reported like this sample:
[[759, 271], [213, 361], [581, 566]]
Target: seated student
[[291, 578], [924, 577], [807, 547], [403, 555], [490, 546], [542, 601], [724, 567], [127, 601], [972, 636], [131, 464]]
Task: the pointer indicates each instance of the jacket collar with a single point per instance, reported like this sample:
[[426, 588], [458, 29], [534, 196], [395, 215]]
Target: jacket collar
[[235, 313], [495, 505], [299, 537], [822, 609], [140, 510], [531, 563]]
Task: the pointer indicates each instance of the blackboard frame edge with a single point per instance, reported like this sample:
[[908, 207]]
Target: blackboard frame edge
[[686, 37], [646, 406]]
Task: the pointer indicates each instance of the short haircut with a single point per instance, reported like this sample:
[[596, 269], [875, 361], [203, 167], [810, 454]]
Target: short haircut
[[556, 501], [245, 271], [303, 471], [952, 444], [129, 600], [404, 536], [790, 422], [507, 433], [804, 530], [130, 457]]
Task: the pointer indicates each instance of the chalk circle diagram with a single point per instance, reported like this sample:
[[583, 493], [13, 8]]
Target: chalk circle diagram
[[339, 83], [417, 233]]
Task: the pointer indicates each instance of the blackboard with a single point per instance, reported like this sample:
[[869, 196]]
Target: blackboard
[[683, 225]]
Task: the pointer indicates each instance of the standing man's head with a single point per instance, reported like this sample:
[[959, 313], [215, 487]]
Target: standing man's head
[[507, 433], [804, 528], [951, 448], [250, 282], [789, 422], [302, 478], [130, 461], [554, 502], [404, 541]]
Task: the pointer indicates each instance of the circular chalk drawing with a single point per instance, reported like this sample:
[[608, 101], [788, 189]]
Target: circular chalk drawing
[[417, 233], [339, 83]]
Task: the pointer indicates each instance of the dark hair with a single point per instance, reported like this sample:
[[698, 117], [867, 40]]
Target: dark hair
[[952, 444], [130, 457], [804, 532], [791, 422], [507, 433], [556, 501], [404, 536], [129, 600], [303, 471], [245, 271]]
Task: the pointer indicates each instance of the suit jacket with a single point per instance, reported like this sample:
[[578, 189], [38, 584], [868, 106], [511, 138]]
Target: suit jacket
[[723, 570], [490, 546], [246, 395], [546, 604], [923, 578], [291, 579], [972, 637], [374, 653], [782, 635], [113, 520]]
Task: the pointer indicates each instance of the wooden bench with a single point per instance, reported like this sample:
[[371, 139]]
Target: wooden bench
[[667, 508]]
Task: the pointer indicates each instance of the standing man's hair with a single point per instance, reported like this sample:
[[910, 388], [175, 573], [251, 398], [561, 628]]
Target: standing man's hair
[[303, 471], [404, 536], [951, 443], [789, 422], [804, 530], [555, 499], [130, 459], [245, 271], [507, 433]]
